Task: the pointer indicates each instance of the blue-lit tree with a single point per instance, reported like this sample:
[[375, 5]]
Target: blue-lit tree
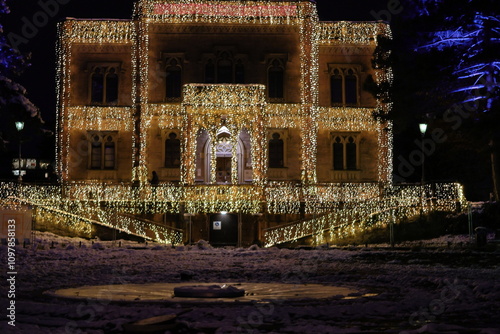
[[14, 105], [468, 33]]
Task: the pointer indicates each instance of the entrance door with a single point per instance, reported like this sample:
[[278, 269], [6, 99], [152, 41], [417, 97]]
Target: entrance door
[[223, 169], [223, 230]]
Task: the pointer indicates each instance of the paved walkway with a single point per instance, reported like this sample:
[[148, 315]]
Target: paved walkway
[[164, 292]]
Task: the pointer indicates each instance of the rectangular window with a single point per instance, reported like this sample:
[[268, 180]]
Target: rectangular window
[[173, 79], [172, 151], [109, 155], [338, 156], [351, 156], [336, 90], [96, 155], [276, 79], [351, 90], [97, 87], [276, 152]]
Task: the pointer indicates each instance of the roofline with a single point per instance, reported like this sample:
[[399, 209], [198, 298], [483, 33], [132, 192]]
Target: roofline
[[96, 19]]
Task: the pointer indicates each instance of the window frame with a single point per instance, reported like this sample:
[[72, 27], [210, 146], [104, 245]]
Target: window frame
[[105, 68], [344, 71], [344, 141], [276, 66], [283, 133], [174, 62], [236, 61], [165, 136], [276, 61], [102, 140]]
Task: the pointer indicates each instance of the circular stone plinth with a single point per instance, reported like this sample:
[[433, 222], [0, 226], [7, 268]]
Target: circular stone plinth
[[164, 292]]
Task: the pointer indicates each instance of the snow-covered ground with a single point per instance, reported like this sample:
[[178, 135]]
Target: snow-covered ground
[[420, 288]]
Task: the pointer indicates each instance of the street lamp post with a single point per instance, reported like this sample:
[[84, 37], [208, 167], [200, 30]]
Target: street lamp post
[[19, 127], [423, 130]]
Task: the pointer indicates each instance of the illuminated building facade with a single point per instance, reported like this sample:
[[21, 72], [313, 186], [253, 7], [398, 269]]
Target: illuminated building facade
[[251, 107]]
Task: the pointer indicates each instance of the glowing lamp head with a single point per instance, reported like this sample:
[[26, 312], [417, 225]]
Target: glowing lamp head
[[223, 212], [19, 125], [423, 128]]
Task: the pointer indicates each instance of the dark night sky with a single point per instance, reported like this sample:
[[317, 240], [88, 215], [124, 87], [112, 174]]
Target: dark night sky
[[39, 79]]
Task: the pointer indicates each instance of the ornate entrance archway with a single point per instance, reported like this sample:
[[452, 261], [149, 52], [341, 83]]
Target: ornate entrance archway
[[230, 163]]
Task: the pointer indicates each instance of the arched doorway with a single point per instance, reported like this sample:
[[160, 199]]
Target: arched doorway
[[225, 171]]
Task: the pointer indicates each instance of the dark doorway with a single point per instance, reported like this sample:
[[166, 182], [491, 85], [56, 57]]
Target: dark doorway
[[223, 230]]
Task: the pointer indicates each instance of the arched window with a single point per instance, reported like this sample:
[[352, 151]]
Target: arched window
[[225, 69], [111, 86], [276, 151], [239, 72], [172, 151], [174, 80], [97, 86], [351, 88], [345, 152], [210, 71], [344, 85], [104, 82], [275, 80], [351, 153], [338, 154], [102, 151]]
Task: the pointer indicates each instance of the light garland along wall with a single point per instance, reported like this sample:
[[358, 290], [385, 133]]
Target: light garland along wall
[[88, 32], [355, 33], [301, 14], [142, 122], [362, 120], [345, 33], [168, 198], [309, 51], [352, 210], [342, 209], [238, 107]]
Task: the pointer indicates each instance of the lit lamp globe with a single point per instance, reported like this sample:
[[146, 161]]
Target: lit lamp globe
[[423, 128], [19, 126]]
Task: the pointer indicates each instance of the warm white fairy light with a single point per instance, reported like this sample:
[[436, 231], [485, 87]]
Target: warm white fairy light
[[147, 12], [366, 207], [73, 32], [200, 11], [357, 33], [350, 207], [99, 31], [100, 118]]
